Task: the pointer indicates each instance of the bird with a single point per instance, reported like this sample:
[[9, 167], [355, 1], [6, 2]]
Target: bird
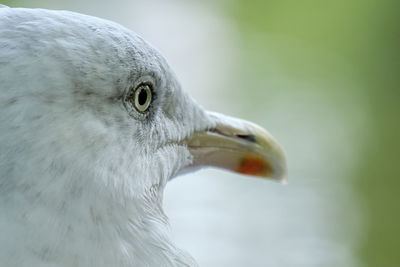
[[94, 123]]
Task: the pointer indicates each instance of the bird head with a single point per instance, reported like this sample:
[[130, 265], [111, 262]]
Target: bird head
[[90, 109]]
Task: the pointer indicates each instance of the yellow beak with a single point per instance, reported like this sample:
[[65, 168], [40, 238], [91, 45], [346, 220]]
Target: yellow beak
[[239, 146]]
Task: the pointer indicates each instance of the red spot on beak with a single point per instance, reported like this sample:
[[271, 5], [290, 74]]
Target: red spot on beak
[[254, 166]]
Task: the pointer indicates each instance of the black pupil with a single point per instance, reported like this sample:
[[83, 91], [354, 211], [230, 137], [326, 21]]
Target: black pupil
[[142, 97]]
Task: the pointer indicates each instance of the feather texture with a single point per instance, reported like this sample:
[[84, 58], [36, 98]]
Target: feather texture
[[81, 178]]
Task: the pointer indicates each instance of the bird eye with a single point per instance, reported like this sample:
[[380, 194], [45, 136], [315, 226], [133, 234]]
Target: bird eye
[[141, 97]]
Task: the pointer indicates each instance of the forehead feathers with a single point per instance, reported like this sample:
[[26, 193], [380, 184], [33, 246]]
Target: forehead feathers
[[84, 52]]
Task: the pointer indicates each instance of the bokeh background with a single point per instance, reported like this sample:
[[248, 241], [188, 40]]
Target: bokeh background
[[323, 77]]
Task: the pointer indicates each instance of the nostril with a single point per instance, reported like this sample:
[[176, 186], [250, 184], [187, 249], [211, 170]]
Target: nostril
[[248, 137]]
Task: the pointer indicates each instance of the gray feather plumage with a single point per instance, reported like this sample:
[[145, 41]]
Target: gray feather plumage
[[81, 177]]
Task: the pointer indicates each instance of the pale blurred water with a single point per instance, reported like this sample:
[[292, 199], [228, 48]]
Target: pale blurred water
[[224, 219]]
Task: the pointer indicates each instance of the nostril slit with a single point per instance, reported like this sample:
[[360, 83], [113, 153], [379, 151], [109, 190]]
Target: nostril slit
[[248, 137]]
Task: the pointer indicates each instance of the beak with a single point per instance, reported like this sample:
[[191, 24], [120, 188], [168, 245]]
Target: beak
[[239, 146]]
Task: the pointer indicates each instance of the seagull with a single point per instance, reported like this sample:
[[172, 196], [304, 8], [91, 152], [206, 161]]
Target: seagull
[[94, 123]]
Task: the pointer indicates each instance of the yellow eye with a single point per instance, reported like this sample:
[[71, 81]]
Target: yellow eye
[[141, 98]]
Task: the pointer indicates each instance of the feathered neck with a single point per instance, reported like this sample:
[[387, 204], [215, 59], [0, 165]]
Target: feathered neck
[[87, 230]]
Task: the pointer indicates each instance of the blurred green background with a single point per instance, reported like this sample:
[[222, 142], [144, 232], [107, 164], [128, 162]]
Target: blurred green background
[[323, 77], [364, 36]]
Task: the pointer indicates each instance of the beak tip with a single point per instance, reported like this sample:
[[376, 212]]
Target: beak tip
[[281, 174], [284, 180]]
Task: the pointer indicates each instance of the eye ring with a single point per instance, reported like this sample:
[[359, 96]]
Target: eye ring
[[141, 97]]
